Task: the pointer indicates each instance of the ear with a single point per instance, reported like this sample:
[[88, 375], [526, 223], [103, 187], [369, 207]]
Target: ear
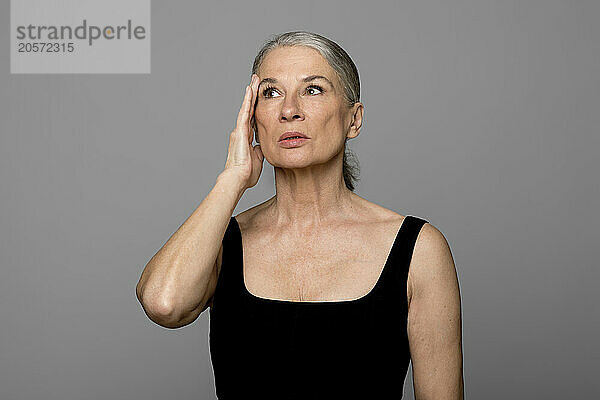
[[357, 116]]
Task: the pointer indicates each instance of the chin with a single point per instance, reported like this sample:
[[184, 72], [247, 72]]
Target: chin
[[292, 163]]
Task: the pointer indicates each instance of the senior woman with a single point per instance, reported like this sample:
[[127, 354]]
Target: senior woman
[[316, 293]]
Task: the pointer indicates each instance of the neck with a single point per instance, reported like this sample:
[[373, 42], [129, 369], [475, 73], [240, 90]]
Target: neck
[[308, 198]]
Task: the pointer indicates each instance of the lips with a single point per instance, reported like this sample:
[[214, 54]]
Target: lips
[[292, 134]]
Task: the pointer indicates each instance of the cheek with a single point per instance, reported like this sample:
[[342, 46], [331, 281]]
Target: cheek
[[261, 115], [265, 112], [327, 120]]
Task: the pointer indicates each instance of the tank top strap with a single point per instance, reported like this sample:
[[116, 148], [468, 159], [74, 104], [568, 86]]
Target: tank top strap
[[400, 257], [394, 275]]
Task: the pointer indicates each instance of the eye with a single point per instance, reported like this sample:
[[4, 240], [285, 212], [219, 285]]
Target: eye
[[266, 91], [269, 89], [312, 87]]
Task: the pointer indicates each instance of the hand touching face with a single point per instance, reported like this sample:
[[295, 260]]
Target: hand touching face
[[243, 160]]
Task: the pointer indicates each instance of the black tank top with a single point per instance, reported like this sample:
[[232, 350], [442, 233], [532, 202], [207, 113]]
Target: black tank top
[[279, 349]]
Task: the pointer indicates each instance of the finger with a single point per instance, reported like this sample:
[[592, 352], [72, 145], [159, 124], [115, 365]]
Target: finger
[[251, 111], [252, 100], [249, 115], [259, 152], [251, 134], [255, 94], [244, 108]]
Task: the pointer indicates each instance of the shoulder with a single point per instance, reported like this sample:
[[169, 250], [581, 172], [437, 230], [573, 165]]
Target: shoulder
[[373, 212], [432, 265], [252, 216]]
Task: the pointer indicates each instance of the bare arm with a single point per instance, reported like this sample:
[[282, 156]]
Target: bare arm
[[434, 319], [179, 281]]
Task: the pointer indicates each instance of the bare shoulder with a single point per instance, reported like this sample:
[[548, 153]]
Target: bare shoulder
[[432, 265], [376, 212], [252, 216]]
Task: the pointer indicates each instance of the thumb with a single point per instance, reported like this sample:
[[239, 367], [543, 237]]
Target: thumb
[[259, 152]]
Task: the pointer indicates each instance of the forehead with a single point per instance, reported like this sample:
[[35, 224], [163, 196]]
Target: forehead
[[295, 62]]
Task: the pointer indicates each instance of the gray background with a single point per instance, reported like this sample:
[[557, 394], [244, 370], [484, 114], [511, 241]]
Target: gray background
[[480, 116]]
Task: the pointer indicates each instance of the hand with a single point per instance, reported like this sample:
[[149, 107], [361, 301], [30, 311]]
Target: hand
[[244, 160]]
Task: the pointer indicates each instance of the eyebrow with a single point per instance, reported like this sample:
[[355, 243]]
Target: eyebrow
[[307, 79]]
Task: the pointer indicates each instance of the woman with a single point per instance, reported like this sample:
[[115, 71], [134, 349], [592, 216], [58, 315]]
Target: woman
[[317, 292]]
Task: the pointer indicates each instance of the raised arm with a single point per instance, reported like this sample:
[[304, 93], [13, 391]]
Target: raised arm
[[179, 281], [434, 319]]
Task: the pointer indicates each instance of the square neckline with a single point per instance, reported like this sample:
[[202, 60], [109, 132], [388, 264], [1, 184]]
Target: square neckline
[[246, 293]]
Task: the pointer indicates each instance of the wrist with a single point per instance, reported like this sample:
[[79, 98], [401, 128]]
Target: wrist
[[231, 180]]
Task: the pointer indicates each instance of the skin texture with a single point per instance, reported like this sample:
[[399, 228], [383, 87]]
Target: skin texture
[[434, 319], [292, 105], [313, 208]]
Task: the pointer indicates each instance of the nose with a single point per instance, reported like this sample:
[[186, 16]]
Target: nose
[[290, 110]]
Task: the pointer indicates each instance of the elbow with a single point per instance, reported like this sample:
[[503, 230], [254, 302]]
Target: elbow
[[159, 310], [162, 314]]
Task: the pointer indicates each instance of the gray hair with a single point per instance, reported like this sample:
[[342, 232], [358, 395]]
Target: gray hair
[[343, 66]]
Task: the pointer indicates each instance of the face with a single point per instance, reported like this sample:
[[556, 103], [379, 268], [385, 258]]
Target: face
[[287, 101]]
